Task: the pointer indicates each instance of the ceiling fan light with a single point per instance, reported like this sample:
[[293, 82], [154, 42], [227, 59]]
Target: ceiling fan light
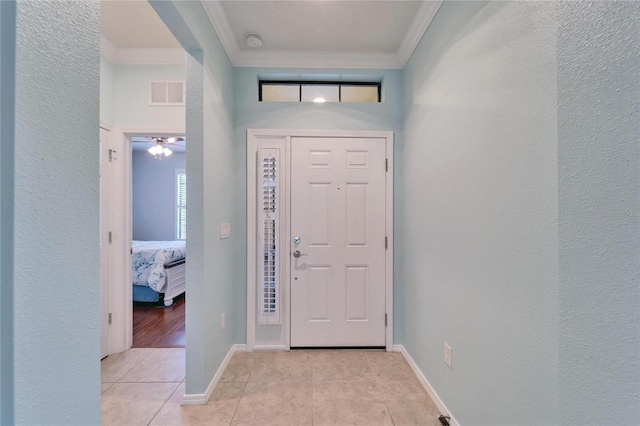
[[167, 151]]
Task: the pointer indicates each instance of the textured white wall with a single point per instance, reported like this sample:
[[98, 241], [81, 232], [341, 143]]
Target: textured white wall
[[479, 262], [599, 207], [56, 252]]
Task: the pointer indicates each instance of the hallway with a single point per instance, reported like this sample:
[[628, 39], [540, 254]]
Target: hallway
[[305, 387]]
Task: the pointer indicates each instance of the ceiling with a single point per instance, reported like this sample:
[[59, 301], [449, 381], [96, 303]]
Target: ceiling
[[302, 33]]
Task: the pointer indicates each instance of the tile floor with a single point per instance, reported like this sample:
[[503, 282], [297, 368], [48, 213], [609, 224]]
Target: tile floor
[[314, 387]]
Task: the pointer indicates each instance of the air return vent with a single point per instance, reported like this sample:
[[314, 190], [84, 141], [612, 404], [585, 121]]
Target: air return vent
[[167, 93], [269, 245]]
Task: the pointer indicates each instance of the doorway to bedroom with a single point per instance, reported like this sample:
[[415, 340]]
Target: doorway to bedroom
[[158, 226]]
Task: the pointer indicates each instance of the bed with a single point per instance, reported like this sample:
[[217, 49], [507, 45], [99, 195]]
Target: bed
[[158, 268]]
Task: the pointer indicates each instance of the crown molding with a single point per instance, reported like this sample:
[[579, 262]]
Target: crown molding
[[220, 23], [141, 56], [292, 59], [421, 22], [297, 59], [108, 49]]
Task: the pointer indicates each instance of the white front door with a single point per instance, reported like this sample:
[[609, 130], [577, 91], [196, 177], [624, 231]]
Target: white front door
[[105, 266], [338, 214]]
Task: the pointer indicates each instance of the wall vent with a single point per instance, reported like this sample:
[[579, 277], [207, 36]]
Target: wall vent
[[167, 93]]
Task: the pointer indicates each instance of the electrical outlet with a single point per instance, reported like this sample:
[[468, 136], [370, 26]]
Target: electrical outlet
[[447, 355], [225, 231], [222, 322]]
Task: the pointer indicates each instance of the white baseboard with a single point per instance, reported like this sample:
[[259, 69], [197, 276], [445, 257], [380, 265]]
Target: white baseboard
[[203, 398], [425, 384], [269, 348]]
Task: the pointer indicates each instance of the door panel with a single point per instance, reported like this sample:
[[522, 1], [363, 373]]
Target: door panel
[[338, 211]]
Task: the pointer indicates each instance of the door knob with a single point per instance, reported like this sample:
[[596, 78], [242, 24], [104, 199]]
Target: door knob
[[297, 254]]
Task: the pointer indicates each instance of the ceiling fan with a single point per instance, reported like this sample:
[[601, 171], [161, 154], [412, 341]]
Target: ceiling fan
[[160, 148]]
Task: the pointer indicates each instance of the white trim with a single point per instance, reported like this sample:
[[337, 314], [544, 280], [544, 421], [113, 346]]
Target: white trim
[[292, 59], [253, 139], [221, 25], [156, 56], [120, 293], [270, 348], [425, 384], [108, 49], [389, 234], [303, 59], [420, 23], [141, 56], [203, 398]]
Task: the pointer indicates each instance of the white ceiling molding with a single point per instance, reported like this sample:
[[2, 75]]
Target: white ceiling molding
[[289, 59], [141, 56], [423, 19], [285, 59], [220, 23]]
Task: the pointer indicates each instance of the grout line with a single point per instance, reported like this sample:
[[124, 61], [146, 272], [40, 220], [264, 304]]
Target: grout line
[[238, 404], [384, 398], [163, 404], [134, 366]]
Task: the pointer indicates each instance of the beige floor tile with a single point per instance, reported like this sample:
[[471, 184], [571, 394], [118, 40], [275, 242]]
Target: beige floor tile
[[162, 365], [275, 403], [104, 387], [349, 403], [347, 365], [409, 404], [239, 368], [134, 403], [115, 366], [219, 411], [390, 366], [293, 366]]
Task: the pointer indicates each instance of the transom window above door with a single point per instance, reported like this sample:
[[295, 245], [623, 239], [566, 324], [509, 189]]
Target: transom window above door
[[319, 91]]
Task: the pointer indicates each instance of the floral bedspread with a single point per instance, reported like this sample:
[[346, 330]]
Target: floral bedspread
[[148, 260]]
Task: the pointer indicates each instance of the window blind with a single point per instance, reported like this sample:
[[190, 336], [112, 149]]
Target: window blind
[[181, 214], [268, 245]]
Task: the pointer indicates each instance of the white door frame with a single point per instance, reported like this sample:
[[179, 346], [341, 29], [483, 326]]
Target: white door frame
[[120, 288], [105, 247], [282, 137]]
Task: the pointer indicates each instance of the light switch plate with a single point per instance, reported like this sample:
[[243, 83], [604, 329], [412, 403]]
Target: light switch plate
[[447, 355]]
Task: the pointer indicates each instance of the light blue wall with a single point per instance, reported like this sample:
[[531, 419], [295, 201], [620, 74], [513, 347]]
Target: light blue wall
[[211, 280], [107, 90], [131, 97], [154, 195], [7, 167], [480, 217], [599, 209], [250, 113], [56, 364]]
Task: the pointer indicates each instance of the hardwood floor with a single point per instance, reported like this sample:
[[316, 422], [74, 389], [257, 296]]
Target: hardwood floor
[[155, 326]]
